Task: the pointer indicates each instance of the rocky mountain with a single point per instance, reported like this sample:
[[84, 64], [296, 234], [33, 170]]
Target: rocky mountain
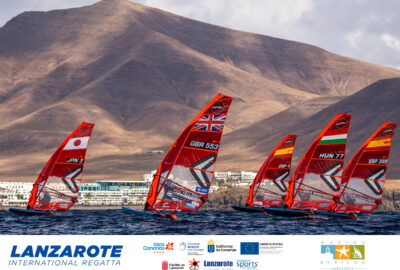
[[370, 107], [141, 74]]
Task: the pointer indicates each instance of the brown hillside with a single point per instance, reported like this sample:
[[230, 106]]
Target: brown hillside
[[141, 74]]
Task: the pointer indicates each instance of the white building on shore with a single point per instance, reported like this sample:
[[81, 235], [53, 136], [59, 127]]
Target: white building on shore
[[112, 192]]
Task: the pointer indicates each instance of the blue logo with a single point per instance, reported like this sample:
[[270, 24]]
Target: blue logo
[[211, 246], [203, 190], [249, 248]]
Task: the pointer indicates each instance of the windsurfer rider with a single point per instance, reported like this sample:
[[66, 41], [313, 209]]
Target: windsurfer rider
[[166, 215]]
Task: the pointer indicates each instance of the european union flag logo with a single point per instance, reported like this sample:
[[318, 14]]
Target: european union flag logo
[[249, 248]]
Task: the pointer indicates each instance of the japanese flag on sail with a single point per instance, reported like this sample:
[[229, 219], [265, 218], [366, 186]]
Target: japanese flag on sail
[[77, 143]]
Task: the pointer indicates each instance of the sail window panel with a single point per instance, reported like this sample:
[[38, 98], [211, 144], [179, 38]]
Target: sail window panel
[[273, 186], [190, 179], [329, 185], [204, 160], [369, 188], [65, 186]]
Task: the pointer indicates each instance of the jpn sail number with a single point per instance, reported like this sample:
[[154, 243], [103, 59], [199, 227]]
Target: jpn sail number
[[203, 145]]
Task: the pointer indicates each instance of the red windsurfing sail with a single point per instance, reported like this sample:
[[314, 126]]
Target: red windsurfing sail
[[365, 174], [183, 179], [317, 178], [57, 185], [270, 186]]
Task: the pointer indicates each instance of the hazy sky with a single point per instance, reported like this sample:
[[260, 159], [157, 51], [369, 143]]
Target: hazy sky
[[368, 30]]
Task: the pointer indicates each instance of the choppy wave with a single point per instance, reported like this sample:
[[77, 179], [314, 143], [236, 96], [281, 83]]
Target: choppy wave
[[202, 222]]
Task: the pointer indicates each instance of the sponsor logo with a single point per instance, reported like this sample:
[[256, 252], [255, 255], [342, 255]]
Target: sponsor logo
[[249, 248], [182, 246], [343, 253], [223, 264], [341, 123], [288, 142], [157, 247], [203, 190], [211, 246], [169, 246], [247, 264], [165, 265], [204, 145], [194, 265], [217, 107], [75, 160], [55, 255], [271, 248], [191, 248], [387, 131]]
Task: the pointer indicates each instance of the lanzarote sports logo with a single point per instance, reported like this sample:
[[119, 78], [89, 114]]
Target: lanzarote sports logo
[[343, 253]]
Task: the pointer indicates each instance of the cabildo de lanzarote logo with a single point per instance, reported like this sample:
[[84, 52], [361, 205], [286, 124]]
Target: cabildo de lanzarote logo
[[65, 255], [343, 255]]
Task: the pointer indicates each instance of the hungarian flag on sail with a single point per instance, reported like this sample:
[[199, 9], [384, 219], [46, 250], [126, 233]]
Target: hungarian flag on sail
[[270, 185], [183, 179], [57, 185], [316, 181], [365, 174]]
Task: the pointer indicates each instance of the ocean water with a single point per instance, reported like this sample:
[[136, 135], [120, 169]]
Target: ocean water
[[116, 221]]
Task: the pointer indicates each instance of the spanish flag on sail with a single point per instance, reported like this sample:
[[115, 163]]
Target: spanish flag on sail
[[380, 143], [284, 151]]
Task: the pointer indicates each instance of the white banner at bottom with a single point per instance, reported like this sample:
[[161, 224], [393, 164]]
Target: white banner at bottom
[[199, 252]]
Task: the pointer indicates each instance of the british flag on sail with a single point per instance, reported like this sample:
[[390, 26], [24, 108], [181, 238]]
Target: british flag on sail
[[210, 123]]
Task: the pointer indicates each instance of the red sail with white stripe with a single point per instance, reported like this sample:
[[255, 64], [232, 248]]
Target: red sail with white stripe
[[316, 181], [57, 185], [270, 186], [365, 174], [183, 179]]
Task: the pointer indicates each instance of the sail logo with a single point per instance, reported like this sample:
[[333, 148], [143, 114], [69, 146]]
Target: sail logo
[[217, 107], [341, 123]]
